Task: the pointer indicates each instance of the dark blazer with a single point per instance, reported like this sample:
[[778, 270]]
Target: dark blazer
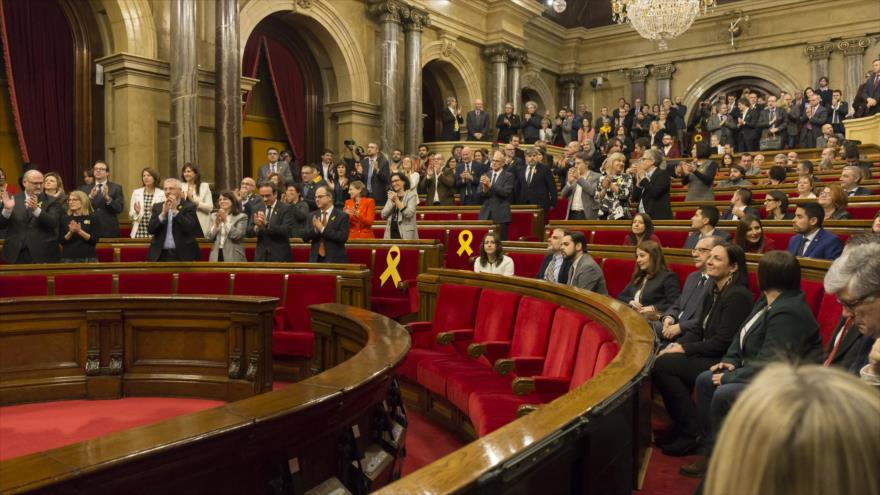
[[335, 236], [809, 135], [444, 186], [273, 240], [478, 124], [661, 291], [694, 237], [379, 181], [308, 194], [469, 191], [449, 133], [184, 227], [847, 350], [531, 128], [726, 314], [284, 170], [825, 246], [780, 122], [541, 191], [251, 204], [749, 133], [871, 89], [77, 248], [38, 234], [654, 194], [509, 128], [859, 191], [786, 330], [495, 201], [107, 213], [687, 310], [563, 270]]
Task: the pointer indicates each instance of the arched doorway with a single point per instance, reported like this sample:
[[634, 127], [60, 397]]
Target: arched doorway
[[440, 80], [530, 94], [736, 85]]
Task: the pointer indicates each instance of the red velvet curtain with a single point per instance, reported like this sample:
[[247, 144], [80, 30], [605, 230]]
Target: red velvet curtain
[[287, 82], [38, 52]]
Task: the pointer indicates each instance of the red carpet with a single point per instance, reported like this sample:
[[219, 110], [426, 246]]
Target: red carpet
[[426, 442], [32, 428]]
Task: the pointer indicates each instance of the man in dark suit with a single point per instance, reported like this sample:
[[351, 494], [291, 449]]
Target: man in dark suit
[[108, 200], [495, 190], [554, 267], [740, 205], [842, 350], [812, 241], [31, 220], [326, 169], [537, 183], [174, 227], [583, 272], [271, 223], [749, 133], [478, 123], [703, 226], [275, 166], [311, 182], [508, 124], [467, 176], [376, 174], [652, 187], [247, 194], [452, 121], [871, 90], [850, 181], [773, 121], [686, 314], [327, 230], [813, 118], [723, 125], [838, 110]]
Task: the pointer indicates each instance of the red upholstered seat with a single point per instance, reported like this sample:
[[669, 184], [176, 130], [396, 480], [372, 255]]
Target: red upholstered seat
[[104, 254], [683, 214], [558, 212], [780, 239], [203, 283], [520, 225], [430, 233], [133, 254], [672, 238], [434, 216], [146, 283], [249, 252], [682, 271], [617, 274], [259, 284], [73, 284], [609, 237], [292, 334], [828, 317], [813, 292], [360, 255], [753, 285], [456, 261], [300, 252], [526, 264], [204, 253], [387, 299], [862, 212], [23, 285], [124, 231]]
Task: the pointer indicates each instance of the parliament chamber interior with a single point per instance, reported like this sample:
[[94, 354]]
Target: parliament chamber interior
[[440, 246]]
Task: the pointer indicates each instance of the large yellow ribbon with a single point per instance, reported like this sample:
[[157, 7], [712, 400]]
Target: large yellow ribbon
[[392, 259], [464, 242]]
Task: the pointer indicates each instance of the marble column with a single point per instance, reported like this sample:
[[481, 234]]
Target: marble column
[[184, 85], [853, 64], [663, 74], [389, 13], [227, 98], [569, 83], [414, 21], [637, 78], [516, 60], [497, 55], [819, 54]]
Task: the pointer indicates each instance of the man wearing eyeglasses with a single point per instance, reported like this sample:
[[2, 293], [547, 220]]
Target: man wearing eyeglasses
[[496, 190], [108, 200], [328, 230], [31, 218]]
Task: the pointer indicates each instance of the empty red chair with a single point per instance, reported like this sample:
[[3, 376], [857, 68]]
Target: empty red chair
[[213, 283], [292, 335], [558, 212], [672, 238], [104, 254], [526, 264], [249, 252], [618, 273], [133, 254], [862, 212], [828, 317], [609, 237], [520, 225], [388, 299], [146, 283], [683, 214], [93, 283], [780, 239], [259, 284], [360, 255], [23, 285]]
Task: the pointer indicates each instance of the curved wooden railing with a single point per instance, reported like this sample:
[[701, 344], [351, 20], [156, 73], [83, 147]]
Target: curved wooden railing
[[270, 443], [589, 440]]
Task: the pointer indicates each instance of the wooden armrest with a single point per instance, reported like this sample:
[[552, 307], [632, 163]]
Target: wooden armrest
[[476, 350], [523, 386], [505, 366], [419, 326], [445, 338], [523, 366], [525, 409]]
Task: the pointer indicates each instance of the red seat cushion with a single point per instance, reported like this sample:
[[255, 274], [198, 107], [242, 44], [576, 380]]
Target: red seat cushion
[[813, 292], [300, 252], [609, 237], [133, 254], [780, 239], [617, 273], [259, 284], [409, 367], [456, 308], [432, 373], [203, 283], [526, 264], [466, 377], [104, 254], [296, 337], [146, 283], [23, 285], [73, 284], [682, 271], [591, 358], [294, 344], [862, 212], [828, 317], [672, 238]]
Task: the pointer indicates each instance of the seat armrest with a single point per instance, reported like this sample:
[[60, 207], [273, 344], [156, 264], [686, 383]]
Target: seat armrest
[[523, 386], [505, 366], [445, 338], [522, 366], [419, 326], [551, 385], [526, 409], [476, 349], [280, 319], [420, 334]]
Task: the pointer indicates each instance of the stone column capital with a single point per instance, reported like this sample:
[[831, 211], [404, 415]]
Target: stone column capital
[[663, 71], [854, 46], [819, 51], [570, 81], [517, 58], [415, 19], [637, 74], [388, 10], [497, 53]]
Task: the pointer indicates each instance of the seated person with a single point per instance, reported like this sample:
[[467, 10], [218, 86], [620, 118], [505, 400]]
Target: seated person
[[583, 271], [775, 176], [703, 225], [492, 258], [750, 236], [812, 241], [776, 206], [833, 201], [805, 188], [736, 177], [641, 229], [850, 181], [725, 307], [740, 205], [653, 287]]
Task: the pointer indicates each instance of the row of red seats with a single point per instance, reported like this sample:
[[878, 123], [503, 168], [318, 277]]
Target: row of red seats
[[292, 330], [481, 341], [521, 223]]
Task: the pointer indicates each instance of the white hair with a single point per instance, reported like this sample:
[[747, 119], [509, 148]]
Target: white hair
[[857, 271], [173, 181]]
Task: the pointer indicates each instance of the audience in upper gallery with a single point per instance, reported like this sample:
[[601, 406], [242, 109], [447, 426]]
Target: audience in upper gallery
[[833, 200], [725, 305], [199, 193], [31, 219], [582, 188], [614, 189], [142, 200], [850, 181], [653, 287], [361, 212], [400, 209], [781, 326], [811, 240], [108, 200], [640, 229], [818, 423], [804, 188], [228, 229], [699, 175], [79, 230], [776, 206], [293, 197], [703, 225], [583, 271], [740, 205], [492, 258], [554, 267], [750, 236]]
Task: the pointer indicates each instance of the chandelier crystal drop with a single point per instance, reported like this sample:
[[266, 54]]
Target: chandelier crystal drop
[[559, 6], [660, 20]]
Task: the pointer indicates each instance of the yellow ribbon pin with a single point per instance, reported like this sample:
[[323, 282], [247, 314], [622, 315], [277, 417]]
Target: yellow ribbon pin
[[464, 242], [392, 259], [698, 138]]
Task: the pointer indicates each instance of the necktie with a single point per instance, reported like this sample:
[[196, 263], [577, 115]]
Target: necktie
[[772, 116], [702, 281], [494, 175], [100, 189], [478, 113], [833, 352], [803, 247], [268, 214], [531, 173], [454, 119], [321, 251]]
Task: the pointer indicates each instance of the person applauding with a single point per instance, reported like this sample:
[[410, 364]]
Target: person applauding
[[79, 230]]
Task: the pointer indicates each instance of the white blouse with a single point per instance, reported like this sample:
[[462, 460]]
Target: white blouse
[[204, 204], [504, 268]]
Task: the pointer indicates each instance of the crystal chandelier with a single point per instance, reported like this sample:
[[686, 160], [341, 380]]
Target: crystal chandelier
[[659, 19]]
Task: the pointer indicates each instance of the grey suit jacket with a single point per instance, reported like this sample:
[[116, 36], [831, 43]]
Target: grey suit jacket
[[478, 124], [687, 311], [496, 200], [406, 218], [588, 184], [726, 131], [233, 250], [283, 170], [587, 275]]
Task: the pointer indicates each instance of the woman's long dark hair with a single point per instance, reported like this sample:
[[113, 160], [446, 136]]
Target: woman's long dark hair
[[658, 262], [197, 179], [649, 229], [742, 229], [499, 251], [236, 204]]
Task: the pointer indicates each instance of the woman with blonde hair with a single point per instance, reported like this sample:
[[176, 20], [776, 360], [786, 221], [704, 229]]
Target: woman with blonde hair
[[614, 189], [799, 430], [54, 186], [79, 230]]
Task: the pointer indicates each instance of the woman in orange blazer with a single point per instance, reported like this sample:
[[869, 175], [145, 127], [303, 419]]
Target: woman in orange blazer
[[361, 212]]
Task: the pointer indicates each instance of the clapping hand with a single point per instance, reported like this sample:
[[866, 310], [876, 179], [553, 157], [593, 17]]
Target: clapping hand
[[392, 195], [260, 219], [221, 216], [74, 227], [93, 192], [30, 203], [137, 208], [484, 181], [8, 200], [316, 222]]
